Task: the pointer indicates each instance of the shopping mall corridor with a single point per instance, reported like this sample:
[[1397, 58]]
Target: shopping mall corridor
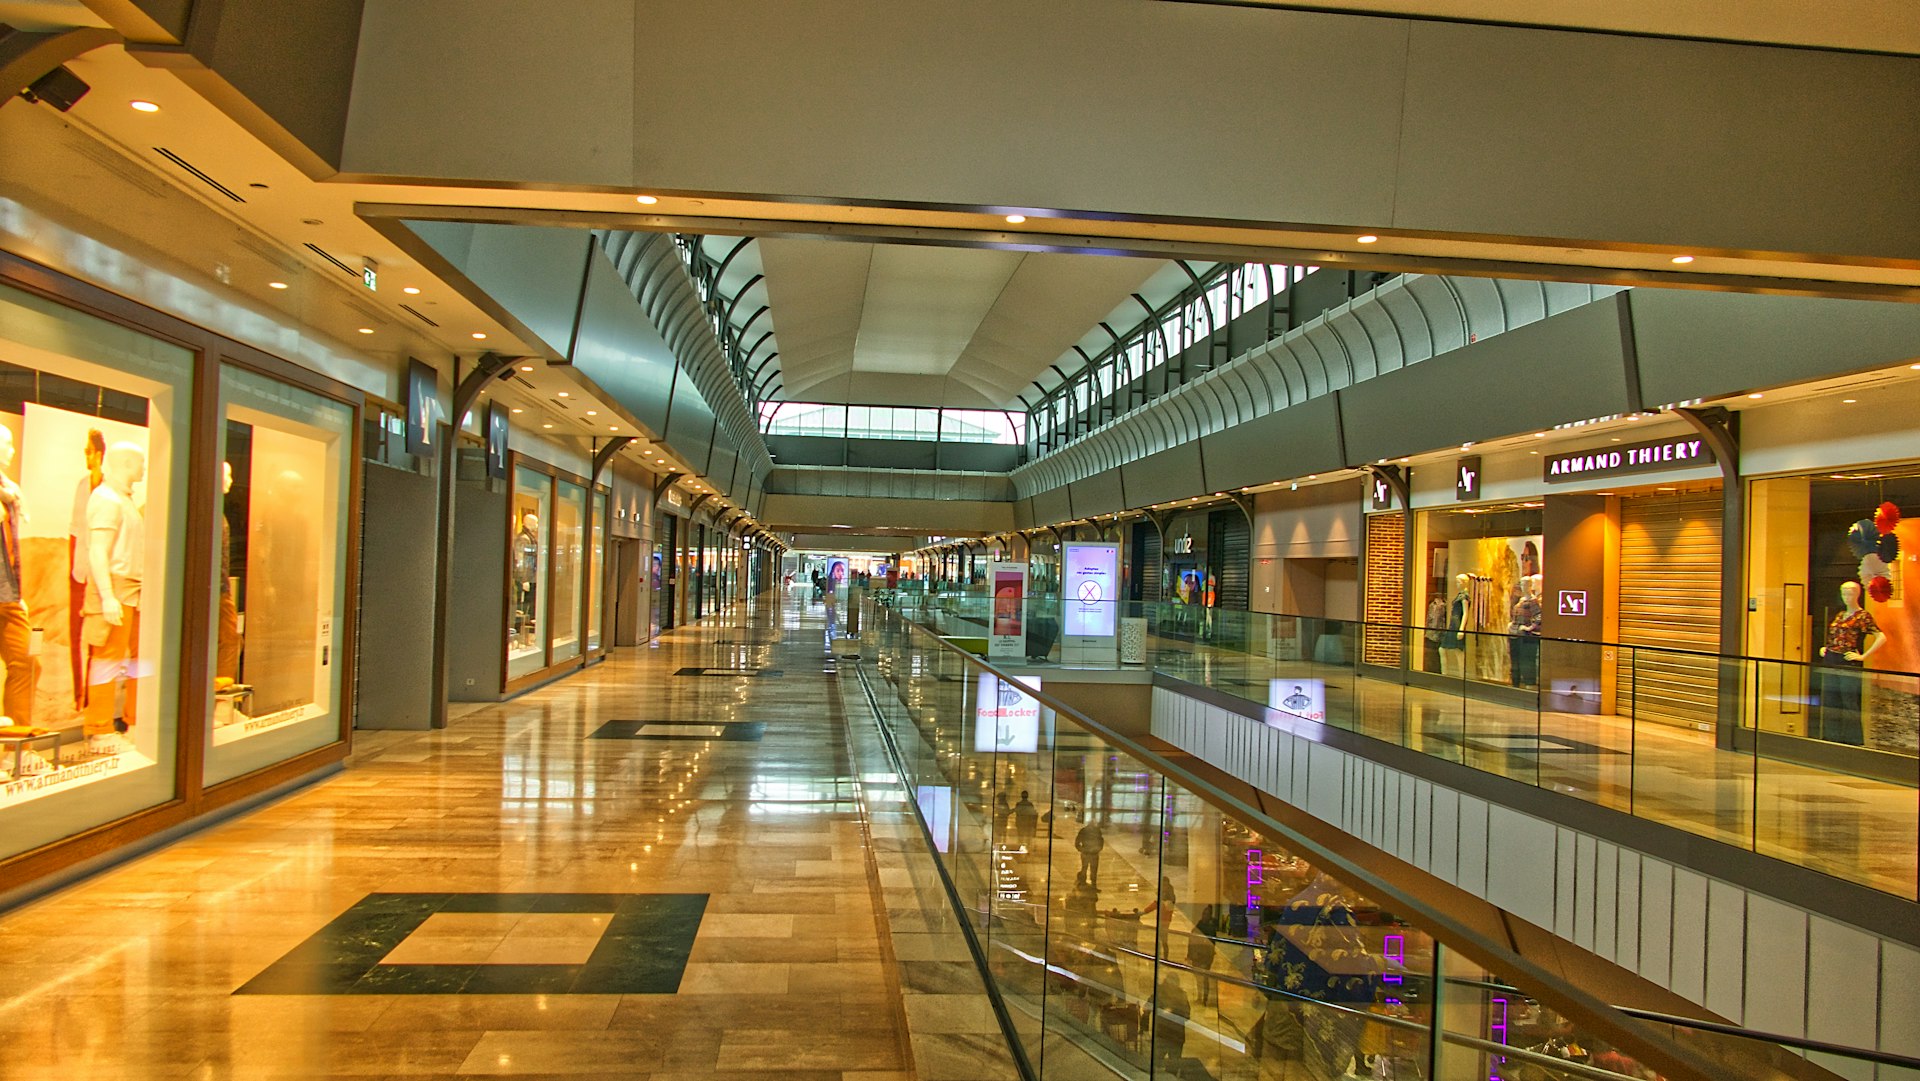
[[657, 868]]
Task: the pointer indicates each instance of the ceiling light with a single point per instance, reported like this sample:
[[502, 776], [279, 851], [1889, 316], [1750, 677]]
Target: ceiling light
[[1368, 239], [1683, 260], [517, 409], [1756, 397], [1539, 435], [479, 337], [645, 199], [140, 106], [1848, 401], [526, 367], [1533, 452], [563, 394], [410, 290], [613, 427], [593, 412], [276, 285], [366, 330], [546, 426], [1016, 219]]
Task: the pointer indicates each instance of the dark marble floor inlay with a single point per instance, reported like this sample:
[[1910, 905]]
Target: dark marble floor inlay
[[736, 731], [734, 673], [643, 950]]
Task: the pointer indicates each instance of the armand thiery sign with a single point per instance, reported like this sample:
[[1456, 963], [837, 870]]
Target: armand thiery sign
[[1649, 457]]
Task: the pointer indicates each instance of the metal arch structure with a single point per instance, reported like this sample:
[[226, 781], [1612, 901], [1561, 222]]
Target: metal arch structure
[[1403, 321]]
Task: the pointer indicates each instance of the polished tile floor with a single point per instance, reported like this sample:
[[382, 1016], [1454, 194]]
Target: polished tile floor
[[631, 873]]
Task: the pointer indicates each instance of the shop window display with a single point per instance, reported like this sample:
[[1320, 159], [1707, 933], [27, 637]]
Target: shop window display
[[1830, 559], [569, 541], [597, 580], [278, 635], [1478, 598], [527, 572], [92, 449]]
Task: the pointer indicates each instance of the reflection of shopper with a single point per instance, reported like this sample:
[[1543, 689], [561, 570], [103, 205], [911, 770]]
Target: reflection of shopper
[[1090, 842], [1200, 954], [77, 573], [1436, 620], [1026, 819], [1842, 660], [116, 548], [1524, 626], [16, 631]]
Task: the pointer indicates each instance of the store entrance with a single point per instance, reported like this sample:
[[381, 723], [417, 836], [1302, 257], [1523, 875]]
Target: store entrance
[[624, 585]]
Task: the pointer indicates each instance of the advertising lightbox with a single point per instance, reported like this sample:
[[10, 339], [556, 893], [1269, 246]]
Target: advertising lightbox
[[1302, 698], [1005, 717], [1089, 586], [1006, 630]]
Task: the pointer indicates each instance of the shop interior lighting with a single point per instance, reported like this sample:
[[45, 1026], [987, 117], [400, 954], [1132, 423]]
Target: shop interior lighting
[[141, 106], [1368, 239], [1682, 260]]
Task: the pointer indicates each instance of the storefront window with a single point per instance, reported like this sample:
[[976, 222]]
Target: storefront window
[[93, 446], [569, 548], [527, 571], [1830, 557], [596, 581], [1477, 588], [281, 590]]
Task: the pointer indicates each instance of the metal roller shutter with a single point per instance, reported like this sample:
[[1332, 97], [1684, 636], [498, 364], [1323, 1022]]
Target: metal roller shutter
[[1147, 544], [1230, 558], [1670, 597]]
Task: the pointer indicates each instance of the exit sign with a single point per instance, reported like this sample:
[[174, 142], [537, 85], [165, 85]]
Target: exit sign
[[370, 277]]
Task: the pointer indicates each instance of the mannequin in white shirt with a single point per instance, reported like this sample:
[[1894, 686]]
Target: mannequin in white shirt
[[116, 550]]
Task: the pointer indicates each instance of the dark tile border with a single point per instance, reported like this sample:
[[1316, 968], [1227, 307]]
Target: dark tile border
[[732, 673], [730, 732], [643, 952]]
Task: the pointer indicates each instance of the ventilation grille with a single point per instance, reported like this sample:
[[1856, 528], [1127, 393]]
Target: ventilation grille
[[111, 161], [324, 254], [194, 171], [418, 314]]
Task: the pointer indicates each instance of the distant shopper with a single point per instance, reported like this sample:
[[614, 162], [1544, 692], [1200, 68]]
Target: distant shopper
[[1090, 842], [1026, 819]]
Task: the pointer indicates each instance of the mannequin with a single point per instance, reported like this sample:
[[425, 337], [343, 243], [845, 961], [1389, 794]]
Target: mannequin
[[526, 569], [16, 630], [1436, 620], [77, 557], [116, 549], [1453, 642], [227, 659], [1523, 647], [1852, 637]]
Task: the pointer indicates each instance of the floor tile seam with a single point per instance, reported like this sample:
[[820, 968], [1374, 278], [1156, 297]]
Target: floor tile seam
[[876, 896]]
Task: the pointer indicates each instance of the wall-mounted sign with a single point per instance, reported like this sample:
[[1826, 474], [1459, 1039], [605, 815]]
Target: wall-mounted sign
[[370, 276], [1006, 718], [1466, 478], [1681, 452], [1302, 698], [1380, 490], [1181, 545], [1573, 602], [496, 440], [423, 407]]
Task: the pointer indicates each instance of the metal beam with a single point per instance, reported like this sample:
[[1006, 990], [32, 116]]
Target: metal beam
[[466, 391]]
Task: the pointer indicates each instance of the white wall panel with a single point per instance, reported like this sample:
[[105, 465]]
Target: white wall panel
[[1727, 952]]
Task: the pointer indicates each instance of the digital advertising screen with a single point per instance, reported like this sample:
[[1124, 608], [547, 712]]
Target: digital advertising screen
[[1090, 590], [1302, 698], [1005, 717]]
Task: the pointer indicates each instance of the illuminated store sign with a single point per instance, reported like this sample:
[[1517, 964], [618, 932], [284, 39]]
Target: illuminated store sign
[[1649, 457], [1466, 478], [1005, 717]]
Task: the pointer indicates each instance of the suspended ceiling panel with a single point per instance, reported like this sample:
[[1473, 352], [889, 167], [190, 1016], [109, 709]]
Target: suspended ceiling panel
[[897, 324]]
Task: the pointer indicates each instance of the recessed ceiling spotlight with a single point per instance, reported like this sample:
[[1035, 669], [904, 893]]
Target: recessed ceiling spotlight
[[563, 394], [410, 290], [276, 285], [479, 336], [646, 200], [517, 409], [140, 106], [526, 367], [1368, 239], [366, 330], [1016, 219], [546, 426], [1539, 435], [613, 427], [1848, 401], [1756, 397], [1683, 260], [593, 412]]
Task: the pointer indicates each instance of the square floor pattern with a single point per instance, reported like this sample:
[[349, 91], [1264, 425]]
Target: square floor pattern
[[736, 731], [494, 944]]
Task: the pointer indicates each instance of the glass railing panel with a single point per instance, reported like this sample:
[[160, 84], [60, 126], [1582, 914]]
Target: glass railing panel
[[1025, 843], [1581, 746]]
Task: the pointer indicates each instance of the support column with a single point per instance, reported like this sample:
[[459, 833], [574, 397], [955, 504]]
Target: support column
[[1720, 428], [465, 392]]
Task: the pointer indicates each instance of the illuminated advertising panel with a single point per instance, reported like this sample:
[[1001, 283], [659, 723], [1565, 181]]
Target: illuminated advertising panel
[[1302, 698], [1006, 630], [1089, 590], [1005, 717]]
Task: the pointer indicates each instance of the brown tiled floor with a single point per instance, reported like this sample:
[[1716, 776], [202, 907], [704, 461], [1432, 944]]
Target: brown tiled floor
[[132, 974]]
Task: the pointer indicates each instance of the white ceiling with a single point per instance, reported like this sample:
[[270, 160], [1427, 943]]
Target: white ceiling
[[907, 325]]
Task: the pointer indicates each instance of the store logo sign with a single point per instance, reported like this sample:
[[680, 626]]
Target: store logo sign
[[1382, 493], [1466, 478], [1573, 602], [1181, 545], [1649, 457]]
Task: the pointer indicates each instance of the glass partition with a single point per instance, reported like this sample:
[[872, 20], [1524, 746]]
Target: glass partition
[[93, 448], [529, 524], [279, 627], [569, 558]]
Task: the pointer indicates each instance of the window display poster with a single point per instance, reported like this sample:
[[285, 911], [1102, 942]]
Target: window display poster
[[1089, 589], [496, 441], [1005, 717], [1007, 636], [1302, 698], [423, 407]]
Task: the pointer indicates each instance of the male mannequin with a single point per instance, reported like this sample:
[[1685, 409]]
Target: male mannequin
[[16, 631], [526, 568], [227, 658], [1523, 648], [1453, 643], [77, 558], [116, 548], [1852, 637]]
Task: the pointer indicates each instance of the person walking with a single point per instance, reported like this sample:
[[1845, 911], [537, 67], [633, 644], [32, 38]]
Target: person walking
[[1026, 819], [1090, 842]]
